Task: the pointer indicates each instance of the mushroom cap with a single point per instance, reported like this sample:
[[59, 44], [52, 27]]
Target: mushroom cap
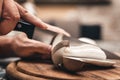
[[86, 51]]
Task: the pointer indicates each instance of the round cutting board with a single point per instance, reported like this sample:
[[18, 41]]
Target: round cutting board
[[24, 70], [45, 70]]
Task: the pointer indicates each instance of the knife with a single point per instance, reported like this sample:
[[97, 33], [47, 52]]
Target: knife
[[36, 33]]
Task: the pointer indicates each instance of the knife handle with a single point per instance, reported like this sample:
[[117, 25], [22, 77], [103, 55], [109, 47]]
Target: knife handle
[[25, 27]]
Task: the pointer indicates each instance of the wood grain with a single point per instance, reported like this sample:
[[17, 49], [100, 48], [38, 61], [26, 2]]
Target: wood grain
[[45, 70]]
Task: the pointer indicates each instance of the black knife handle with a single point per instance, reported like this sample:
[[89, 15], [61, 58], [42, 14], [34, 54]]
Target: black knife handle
[[26, 28]]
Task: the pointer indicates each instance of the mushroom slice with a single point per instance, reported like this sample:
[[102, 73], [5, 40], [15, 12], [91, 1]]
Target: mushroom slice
[[97, 62], [73, 58], [86, 51], [58, 51]]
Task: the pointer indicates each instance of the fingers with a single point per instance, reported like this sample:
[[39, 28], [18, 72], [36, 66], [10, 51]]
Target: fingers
[[11, 8], [29, 17], [10, 16], [37, 22], [57, 30]]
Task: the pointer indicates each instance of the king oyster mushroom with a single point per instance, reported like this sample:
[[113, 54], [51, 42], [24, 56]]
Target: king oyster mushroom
[[73, 58]]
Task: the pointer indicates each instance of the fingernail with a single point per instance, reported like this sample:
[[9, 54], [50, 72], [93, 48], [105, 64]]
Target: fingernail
[[68, 35]]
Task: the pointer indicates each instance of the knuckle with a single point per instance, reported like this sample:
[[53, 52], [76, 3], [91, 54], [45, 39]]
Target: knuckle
[[24, 12], [16, 17]]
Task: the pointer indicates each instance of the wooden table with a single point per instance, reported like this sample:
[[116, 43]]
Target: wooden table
[[45, 70]]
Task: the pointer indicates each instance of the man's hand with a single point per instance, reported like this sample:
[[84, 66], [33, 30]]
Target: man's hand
[[25, 47], [37, 22], [19, 45], [11, 14]]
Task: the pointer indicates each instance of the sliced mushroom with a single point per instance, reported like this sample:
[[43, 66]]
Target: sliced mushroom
[[58, 51], [73, 58], [72, 65]]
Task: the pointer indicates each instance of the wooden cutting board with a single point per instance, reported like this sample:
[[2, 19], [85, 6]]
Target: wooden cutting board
[[45, 70]]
